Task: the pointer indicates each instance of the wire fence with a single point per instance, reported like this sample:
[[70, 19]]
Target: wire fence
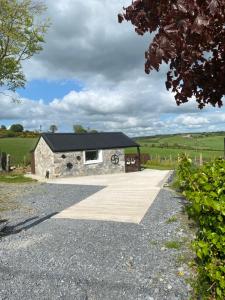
[[172, 161]]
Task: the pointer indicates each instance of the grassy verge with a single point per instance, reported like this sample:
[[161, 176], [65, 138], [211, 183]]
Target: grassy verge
[[14, 178], [160, 165], [157, 167]]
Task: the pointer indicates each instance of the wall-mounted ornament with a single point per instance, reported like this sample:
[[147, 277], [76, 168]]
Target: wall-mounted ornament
[[69, 166], [115, 159]]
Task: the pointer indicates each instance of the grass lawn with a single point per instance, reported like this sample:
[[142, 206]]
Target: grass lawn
[[14, 178], [18, 148]]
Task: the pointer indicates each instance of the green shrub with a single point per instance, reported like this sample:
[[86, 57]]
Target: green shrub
[[204, 187], [11, 133]]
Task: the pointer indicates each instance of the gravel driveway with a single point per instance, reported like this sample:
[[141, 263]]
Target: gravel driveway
[[46, 258]]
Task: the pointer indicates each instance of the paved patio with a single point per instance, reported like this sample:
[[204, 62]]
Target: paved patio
[[125, 198]]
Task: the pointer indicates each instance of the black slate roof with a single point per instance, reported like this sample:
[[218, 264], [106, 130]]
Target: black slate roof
[[63, 142]]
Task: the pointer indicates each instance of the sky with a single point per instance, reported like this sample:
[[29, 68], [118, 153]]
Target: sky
[[91, 72]]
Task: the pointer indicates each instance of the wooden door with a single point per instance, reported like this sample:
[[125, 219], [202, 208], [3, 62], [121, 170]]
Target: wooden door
[[132, 163]]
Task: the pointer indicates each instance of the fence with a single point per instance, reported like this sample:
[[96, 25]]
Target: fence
[[4, 162], [172, 161]]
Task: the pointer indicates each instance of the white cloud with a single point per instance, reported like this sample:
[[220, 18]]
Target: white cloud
[[190, 121], [135, 113], [85, 42]]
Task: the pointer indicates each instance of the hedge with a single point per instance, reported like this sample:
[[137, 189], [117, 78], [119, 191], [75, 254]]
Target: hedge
[[204, 188]]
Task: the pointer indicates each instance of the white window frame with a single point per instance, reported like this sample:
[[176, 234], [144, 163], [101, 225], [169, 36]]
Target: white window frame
[[96, 161]]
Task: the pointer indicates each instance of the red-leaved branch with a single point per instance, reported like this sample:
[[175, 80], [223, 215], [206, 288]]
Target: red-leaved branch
[[190, 37]]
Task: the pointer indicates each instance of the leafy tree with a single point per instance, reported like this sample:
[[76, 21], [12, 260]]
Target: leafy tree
[[53, 128], [77, 128], [3, 127], [21, 36], [17, 128], [190, 37], [93, 131]]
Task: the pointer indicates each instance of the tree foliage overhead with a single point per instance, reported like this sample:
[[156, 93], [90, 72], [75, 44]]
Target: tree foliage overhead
[[190, 37], [21, 36]]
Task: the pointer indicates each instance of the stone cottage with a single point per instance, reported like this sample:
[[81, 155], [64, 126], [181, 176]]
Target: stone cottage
[[70, 154]]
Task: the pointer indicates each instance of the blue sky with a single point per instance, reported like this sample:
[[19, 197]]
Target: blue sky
[[91, 72], [48, 90]]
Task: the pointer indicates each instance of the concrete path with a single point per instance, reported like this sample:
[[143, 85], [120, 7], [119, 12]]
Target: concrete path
[[125, 198]]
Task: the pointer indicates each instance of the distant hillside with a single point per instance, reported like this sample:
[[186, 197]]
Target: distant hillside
[[210, 144], [196, 134]]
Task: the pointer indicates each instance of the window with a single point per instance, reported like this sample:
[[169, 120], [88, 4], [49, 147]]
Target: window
[[92, 156]]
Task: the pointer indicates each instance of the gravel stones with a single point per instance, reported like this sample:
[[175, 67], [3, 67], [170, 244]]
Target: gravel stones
[[76, 259]]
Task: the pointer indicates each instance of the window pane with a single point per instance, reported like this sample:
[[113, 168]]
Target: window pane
[[91, 155]]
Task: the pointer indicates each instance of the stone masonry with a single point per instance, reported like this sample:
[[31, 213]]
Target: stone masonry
[[57, 163], [44, 159]]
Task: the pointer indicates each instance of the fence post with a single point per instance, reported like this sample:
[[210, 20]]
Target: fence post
[[8, 163], [4, 156], [224, 148], [200, 160], [0, 162]]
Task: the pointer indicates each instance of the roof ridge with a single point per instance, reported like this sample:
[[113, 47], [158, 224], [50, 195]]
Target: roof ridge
[[83, 133]]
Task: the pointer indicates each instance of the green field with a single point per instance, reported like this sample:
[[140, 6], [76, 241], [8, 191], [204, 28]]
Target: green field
[[211, 145], [18, 148]]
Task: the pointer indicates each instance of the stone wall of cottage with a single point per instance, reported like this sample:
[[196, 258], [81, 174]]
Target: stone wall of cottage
[[57, 163], [79, 168], [44, 159]]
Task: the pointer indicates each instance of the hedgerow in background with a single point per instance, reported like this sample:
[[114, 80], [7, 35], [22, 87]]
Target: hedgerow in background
[[205, 189]]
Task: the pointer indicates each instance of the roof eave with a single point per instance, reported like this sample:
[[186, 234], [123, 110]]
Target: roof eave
[[102, 148]]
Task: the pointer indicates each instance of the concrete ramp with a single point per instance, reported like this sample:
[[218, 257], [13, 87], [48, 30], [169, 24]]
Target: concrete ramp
[[126, 197]]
